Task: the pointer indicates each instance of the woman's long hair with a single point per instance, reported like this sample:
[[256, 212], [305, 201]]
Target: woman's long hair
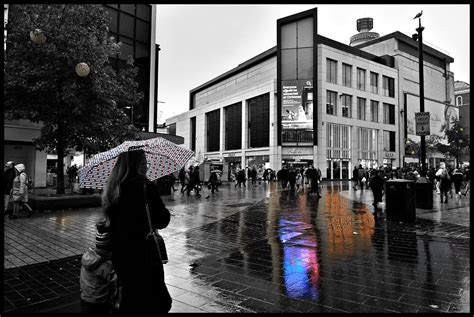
[[126, 166]]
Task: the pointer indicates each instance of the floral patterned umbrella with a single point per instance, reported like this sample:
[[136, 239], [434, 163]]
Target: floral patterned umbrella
[[164, 157]]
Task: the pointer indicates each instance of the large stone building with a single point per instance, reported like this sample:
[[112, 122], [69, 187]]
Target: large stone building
[[134, 26], [312, 100]]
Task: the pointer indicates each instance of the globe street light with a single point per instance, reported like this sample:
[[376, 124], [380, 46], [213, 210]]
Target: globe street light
[[37, 36], [82, 69]]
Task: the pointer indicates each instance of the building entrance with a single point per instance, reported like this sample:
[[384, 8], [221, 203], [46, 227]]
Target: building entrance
[[337, 169]]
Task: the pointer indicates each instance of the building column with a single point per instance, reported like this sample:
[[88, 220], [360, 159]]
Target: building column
[[223, 133], [274, 154], [245, 131]]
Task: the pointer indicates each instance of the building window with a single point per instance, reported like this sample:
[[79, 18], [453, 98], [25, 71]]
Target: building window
[[367, 144], [361, 79], [347, 75], [360, 108], [213, 119], [374, 82], [331, 97], [346, 106], [389, 141], [374, 111], [388, 113], [388, 86], [259, 121], [338, 141], [233, 126], [193, 134], [459, 101], [331, 71]]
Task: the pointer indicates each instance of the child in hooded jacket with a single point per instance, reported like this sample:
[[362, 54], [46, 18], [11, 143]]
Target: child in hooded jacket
[[98, 279]]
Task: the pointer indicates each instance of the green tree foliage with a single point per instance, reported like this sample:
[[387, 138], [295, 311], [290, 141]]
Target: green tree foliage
[[41, 84], [458, 141]]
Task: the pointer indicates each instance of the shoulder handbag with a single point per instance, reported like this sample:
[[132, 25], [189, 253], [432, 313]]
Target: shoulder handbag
[[159, 242]]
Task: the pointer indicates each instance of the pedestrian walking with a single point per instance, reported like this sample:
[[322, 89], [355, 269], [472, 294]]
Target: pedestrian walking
[[195, 183], [377, 185], [182, 179], [457, 179], [19, 192], [355, 178], [187, 180], [8, 177], [292, 178], [253, 175], [467, 178], [445, 184], [98, 280], [213, 181], [135, 257], [282, 176], [240, 178], [361, 176]]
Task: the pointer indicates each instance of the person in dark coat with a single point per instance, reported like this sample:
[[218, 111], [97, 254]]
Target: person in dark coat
[[457, 179], [361, 175], [444, 184], [282, 176], [355, 177], [377, 185], [182, 179], [253, 175], [134, 257], [240, 178], [292, 178], [195, 182], [214, 181], [9, 175]]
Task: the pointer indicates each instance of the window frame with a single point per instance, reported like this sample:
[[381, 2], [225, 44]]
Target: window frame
[[361, 80], [331, 96], [359, 104], [330, 71]]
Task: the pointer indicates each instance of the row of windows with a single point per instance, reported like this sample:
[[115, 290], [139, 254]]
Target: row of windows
[[258, 125], [346, 108], [388, 83], [338, 141], [132, 29]]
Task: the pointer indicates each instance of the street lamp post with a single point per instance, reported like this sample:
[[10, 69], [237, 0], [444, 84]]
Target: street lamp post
[[419, 37]]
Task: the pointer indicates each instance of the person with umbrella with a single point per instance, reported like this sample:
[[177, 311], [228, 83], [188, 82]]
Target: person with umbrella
[[134, 257], [134, 212]]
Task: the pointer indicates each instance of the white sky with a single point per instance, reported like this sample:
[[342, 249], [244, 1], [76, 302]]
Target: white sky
[[201, 42]]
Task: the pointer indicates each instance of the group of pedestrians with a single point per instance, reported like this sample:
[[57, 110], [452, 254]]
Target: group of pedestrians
[[443, 180], [190, 180], [16, 183], [296, 179]]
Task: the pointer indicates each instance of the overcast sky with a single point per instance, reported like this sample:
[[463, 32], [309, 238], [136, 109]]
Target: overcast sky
[[201, 42]]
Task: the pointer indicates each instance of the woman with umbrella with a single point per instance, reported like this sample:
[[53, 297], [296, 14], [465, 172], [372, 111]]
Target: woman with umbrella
[[134, 257]]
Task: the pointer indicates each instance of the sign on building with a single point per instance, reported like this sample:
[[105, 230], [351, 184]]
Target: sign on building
[[422, 120]]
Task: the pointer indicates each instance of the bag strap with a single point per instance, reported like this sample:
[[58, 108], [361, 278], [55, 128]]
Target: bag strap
[[152, 232]]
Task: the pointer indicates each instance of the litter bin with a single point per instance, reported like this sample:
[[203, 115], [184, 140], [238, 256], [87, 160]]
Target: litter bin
[[400, 200], [424, 193]]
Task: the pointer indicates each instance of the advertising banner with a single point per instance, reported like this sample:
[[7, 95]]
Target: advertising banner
[[441, 117], [297, 104]]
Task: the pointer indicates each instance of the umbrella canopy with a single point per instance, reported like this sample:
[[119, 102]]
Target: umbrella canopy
[[164, 157]]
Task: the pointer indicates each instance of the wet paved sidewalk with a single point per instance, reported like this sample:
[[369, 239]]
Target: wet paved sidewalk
[[261, 249]]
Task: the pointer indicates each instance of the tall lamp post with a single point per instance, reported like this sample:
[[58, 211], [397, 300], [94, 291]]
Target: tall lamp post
[[419, 37]]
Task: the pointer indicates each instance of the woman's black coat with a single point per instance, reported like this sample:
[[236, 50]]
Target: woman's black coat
[[138, 267]]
